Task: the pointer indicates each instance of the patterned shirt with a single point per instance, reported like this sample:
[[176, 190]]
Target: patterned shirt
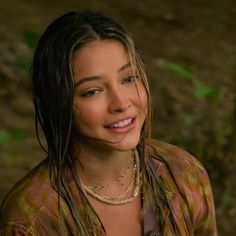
[[31, 207]]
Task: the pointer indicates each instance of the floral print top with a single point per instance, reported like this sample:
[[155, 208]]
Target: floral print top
[[31, 207]]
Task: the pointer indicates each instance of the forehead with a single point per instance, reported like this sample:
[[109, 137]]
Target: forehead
[[99, 57]]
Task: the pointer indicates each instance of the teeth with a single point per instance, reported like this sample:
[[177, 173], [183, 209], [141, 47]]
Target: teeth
[[121, 123]]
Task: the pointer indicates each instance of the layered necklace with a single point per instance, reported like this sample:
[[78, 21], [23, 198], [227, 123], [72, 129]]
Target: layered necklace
[[135, 179]]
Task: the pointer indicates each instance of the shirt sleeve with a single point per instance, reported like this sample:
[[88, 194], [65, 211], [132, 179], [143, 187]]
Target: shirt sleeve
[[15, 229], [191, 197], [204, 210], [196, 188]]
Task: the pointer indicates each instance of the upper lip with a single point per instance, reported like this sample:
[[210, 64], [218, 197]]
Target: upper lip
[[126, 118]]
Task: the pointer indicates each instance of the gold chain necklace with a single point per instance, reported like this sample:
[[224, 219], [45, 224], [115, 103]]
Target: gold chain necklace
[[127, 189], [117, 200], [118, 179]]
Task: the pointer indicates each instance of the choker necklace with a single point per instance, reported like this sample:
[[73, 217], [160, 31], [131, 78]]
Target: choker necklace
[[117, 200]]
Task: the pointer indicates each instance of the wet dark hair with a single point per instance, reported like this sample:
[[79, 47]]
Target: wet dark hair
[[53, 92]]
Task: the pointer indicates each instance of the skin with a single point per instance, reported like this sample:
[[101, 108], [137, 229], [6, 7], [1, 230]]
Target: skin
[[108, 91]]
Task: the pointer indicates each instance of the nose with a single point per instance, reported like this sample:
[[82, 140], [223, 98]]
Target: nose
[[118, 101]]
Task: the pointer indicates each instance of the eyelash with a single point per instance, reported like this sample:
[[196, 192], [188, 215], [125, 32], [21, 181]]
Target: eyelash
[[90, 92], [127, 80], [134, 78]]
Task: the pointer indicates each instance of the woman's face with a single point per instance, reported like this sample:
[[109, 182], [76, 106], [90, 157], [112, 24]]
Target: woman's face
[[110, 99]]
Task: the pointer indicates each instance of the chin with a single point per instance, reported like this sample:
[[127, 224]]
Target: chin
[[126, 144]]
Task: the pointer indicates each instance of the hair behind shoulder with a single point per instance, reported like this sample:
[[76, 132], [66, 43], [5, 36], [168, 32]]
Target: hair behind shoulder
[[53, 92]]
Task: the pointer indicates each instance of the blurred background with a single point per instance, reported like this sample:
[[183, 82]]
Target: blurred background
[[189, 48]]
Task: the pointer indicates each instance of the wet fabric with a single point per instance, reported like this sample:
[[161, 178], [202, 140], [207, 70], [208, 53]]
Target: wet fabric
[[31, 207]]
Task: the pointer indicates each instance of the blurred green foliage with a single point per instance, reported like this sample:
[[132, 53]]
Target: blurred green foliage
[[212, 139], [11, 157], [24, 63], [12, 134], [4, 137], [201, 90], [10, 152], [31, 38]]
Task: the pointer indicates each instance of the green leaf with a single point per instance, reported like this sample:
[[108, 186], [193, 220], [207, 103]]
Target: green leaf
[[31, 38], [18, 134], [181, 71], [4, 137], [206, 91], [24, 63], [203, 91]]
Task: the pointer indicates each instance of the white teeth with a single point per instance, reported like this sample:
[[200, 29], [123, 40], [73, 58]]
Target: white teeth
[[121, 123]]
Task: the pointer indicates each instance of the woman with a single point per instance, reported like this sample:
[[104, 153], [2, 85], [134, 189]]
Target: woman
[[102, 175]]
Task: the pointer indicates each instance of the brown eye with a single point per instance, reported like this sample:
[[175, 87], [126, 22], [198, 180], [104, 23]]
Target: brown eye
[[129, 79], [90, 92]]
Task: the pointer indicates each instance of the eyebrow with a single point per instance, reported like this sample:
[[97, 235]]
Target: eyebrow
[[94, 78], [124, 67]]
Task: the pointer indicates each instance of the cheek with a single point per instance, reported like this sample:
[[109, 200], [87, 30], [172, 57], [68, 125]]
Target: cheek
[[86, 115]]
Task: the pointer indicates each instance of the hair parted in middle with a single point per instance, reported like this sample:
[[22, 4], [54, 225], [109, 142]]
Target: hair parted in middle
[[53, 93]]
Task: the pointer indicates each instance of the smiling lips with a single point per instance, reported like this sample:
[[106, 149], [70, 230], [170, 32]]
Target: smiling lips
[[122, 126], [121, 123]]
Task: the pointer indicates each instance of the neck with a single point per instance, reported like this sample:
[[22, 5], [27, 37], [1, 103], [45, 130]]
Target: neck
[[98, 165]]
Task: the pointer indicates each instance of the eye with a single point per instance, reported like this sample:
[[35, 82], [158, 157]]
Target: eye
[[90, 92], [129, 79]]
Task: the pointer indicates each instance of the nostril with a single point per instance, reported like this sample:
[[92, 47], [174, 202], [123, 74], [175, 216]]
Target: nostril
[[119, 105]]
